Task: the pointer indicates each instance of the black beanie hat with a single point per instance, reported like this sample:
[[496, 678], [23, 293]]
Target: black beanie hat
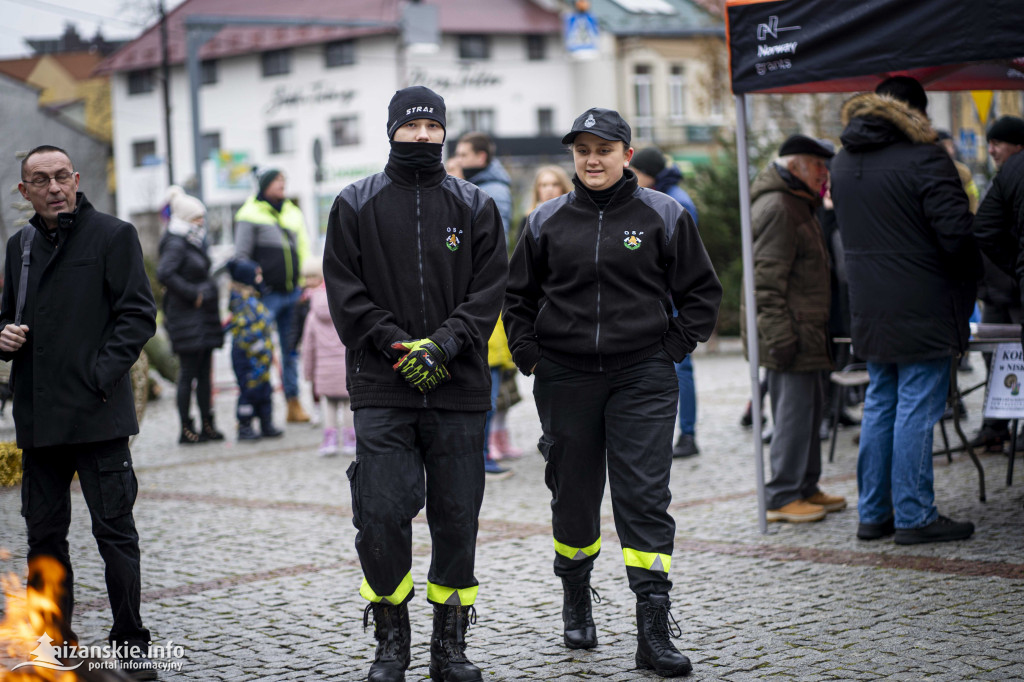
[[415, 102], [648, 160], [265, 177], [1007, 129], [243, 271]]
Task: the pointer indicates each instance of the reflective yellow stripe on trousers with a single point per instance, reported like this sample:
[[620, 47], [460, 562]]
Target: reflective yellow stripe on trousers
[[577, 553], [396, 598], [452, 596], [651, 561]]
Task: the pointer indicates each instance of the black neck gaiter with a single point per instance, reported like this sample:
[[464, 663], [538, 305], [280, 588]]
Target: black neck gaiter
[[416, 155], [601, 197], [470, 173]]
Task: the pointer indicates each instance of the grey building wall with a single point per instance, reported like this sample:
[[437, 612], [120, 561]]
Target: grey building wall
[[23, 125]]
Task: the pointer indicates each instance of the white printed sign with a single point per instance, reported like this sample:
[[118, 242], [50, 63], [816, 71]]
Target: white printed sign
[[1004, 396]]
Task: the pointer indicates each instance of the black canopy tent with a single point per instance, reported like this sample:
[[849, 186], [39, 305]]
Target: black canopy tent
[[802, 46]]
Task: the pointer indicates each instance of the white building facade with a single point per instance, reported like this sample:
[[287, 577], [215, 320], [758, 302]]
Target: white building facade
[[268, 107]]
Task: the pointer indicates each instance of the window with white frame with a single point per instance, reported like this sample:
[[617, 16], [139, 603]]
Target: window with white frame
[[478, 119], [281, 138], [208, 72], [474, 47], [144, 153], [545, 121], [642, 101], [676, 93], [208, 144], [141, 81], [340, 53], [344, 131], [276, 62]]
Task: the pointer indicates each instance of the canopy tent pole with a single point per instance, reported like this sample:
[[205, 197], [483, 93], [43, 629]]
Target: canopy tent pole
[[753, 351]]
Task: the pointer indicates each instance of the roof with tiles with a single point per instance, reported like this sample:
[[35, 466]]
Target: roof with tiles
[[656, 17], [455, 16], [79, 65]]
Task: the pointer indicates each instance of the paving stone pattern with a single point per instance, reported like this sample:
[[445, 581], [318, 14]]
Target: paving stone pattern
[[248, 563]]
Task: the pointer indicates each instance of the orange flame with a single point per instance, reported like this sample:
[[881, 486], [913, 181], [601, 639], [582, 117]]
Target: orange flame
[[31, 612]]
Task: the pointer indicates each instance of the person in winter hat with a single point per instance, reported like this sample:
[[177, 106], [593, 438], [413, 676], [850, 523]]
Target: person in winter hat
[[415, 266], [323, 364], [191, 310], [271, 230], [252, 350]]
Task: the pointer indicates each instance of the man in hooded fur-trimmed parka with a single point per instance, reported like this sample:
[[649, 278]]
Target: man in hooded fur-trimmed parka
[[913, 266]]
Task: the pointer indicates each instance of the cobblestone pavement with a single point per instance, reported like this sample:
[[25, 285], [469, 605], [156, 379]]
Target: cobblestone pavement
[[248, 563]]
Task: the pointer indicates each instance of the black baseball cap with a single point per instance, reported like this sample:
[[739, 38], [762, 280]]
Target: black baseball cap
[[605, 123]]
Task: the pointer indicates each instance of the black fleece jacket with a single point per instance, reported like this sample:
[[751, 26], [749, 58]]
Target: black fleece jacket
[[415, 254], [593, 289]]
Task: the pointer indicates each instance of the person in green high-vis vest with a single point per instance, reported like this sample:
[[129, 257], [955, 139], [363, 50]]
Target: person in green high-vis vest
[[270, 230]]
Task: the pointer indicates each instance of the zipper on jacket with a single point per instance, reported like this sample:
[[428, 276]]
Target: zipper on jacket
[[419, 246], [597, 268]]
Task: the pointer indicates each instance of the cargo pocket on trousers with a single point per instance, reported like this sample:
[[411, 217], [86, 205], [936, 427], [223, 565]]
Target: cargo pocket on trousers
[[546, 446], [353, 483], [118, 485]]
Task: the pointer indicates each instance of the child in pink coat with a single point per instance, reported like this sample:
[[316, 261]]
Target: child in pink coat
[[323, 363]]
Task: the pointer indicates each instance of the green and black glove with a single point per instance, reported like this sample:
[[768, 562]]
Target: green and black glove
[[422, 364]]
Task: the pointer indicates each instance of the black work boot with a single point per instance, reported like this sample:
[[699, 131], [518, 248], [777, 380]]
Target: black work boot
[[448, 662], [391, 630], [580, 632], [654, 651]]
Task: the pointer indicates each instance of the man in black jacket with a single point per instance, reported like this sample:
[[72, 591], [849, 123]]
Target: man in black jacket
[[86, 310], [913, 266], [997, 227], [415, 267]]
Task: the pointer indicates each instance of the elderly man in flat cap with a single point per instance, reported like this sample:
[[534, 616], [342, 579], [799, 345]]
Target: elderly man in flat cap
[[791, 275]]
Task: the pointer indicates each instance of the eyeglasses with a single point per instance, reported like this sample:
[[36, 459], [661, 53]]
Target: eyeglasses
[[40, 181]]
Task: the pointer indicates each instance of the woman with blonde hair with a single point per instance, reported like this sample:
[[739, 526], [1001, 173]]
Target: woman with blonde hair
[[549, 182]]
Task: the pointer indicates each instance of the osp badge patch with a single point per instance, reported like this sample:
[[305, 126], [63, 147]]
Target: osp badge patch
[[452, 241], [633, 240]]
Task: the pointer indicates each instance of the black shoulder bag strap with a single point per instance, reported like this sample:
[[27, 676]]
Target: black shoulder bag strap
[[27, 233]]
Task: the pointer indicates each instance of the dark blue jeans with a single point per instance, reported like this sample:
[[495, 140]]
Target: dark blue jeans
[[894, 468], [687, 397], [282, 309]]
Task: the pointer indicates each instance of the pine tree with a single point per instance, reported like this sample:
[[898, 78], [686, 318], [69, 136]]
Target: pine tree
[[717, 194]]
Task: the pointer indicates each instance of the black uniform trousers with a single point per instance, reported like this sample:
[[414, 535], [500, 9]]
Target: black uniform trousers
[[395, 448], [618, 421], [109, 487]]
